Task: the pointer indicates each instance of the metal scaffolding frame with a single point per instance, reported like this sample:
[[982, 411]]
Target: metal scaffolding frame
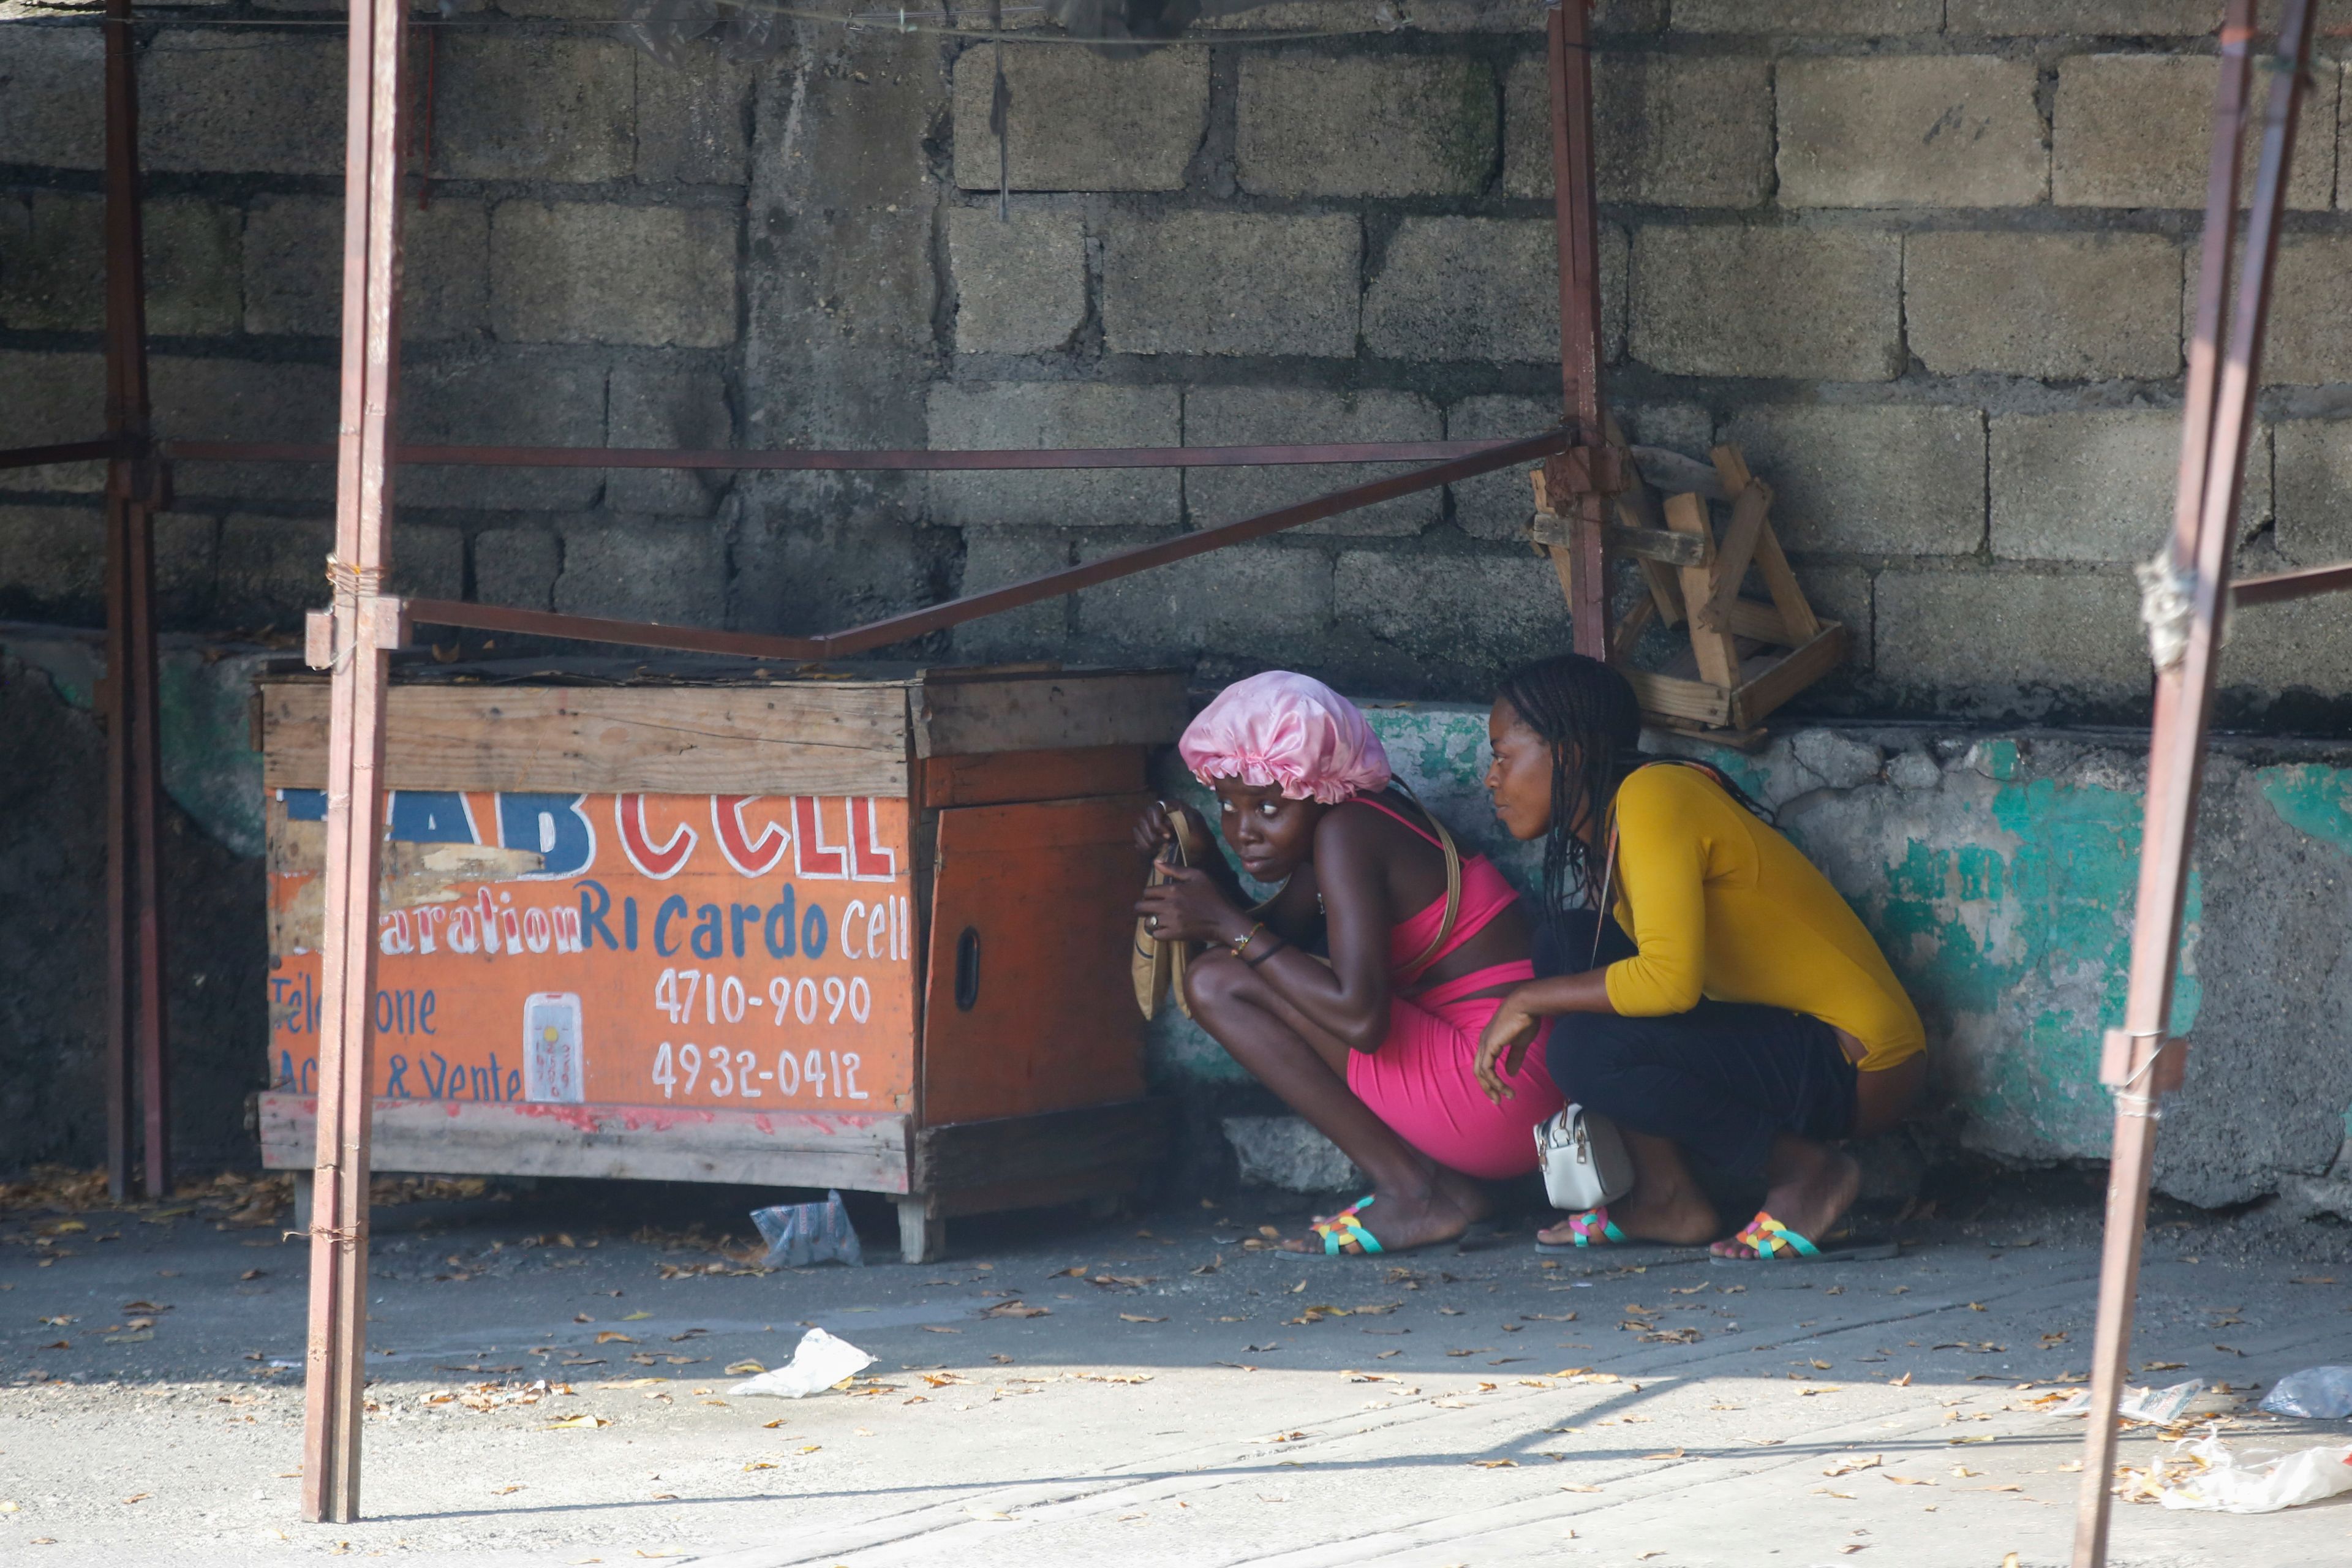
[[1583, 470]]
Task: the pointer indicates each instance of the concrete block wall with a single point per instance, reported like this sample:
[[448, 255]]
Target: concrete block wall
[[1927, 260]]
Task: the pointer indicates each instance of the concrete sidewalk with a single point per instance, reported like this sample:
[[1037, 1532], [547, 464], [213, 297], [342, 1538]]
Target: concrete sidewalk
[[1180, 1398]]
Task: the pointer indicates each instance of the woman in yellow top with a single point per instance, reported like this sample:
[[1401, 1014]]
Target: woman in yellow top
[[1751, 1021]]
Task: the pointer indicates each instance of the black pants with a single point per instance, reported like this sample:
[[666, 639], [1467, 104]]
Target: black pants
[[1722, 1080]]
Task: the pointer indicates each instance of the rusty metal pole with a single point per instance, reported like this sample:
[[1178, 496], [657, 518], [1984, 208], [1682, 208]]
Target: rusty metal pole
[[2140, 1061], [137, 1052], [357, 636], [1583, 562]]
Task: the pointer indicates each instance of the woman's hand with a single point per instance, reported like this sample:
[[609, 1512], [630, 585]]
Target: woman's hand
[[1189, 907], [1155, 829], [1505, 1040]]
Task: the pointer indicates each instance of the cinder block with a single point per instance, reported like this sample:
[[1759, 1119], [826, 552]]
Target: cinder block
[[187, 560], [1264, 602], [994, 557], [1232, 283], [2097, 485], [52, 258], [2012, 642], [52, 397], [2040, 18], [586, 272], [190, 250], [1460, 618], [1842, 593], [2310, 340], [510, 398], [512, 108], [217, 104], [673, 573], [246, 400], [2136, 131], [53, 112], [52, 561], [990, 415], [272, 570], [1497, 505], [428, 560], [1077, 121], [658, 405], [1809, 303], [1880, 480], [1483, 289], [1364, 125], [2303, 644], [1020, 281], [294, 268], [1270, 415], [2314, 469], [1850, 17], [1887, 130], [517, 567], [693, 125], [1669, 130], [2062, 307], [53, 264]]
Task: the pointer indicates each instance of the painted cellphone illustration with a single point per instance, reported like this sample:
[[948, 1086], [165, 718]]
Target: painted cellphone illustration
[[552, 1069]]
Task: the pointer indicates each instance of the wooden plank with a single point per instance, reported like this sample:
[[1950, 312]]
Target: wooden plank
[[1053, 711], [797, 739], [1628, 635], [1095, 1184], [1796, 610], [1789, 675], [1639, 508], [1750, 515], [1675, 697], [1033, 904], [1756, 619], [976, 1154], [999, 778], [1710, 640], [865, 1151]]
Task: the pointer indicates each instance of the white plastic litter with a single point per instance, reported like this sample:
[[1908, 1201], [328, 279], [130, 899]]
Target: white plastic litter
[[818, 1363], [2161, 1406], [2319, 1392], [2258, 1480]]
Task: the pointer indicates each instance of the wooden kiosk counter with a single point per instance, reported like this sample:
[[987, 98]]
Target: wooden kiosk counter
[[866, 928]]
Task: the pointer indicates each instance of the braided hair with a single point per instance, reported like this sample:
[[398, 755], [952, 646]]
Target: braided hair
[[1587, 713]]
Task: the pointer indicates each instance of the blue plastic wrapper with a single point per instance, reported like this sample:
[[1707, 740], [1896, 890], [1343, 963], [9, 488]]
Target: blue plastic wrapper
[[800, 1234], [2316, 1392]]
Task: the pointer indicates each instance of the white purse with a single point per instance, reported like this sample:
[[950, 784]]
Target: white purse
[[1584, 1161]]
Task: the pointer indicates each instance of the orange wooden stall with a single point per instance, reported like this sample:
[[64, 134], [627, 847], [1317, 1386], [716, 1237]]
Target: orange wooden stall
[[853, 928]]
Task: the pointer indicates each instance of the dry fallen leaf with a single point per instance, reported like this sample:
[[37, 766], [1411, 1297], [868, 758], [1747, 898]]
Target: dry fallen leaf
[[1846, 1467], [582, 1422], [1577, 1486], [1670, 1454], [759, 1465], [1139, 1318], [1907, 1480], [137, 1497], [613, 1337], [745, 1369], [935, 1328], [1902, 1381], [2011, 1561], [636, 1317], [1496, 1464]]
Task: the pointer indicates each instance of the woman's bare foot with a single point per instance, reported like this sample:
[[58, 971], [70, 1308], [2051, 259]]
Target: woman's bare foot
[[1671, 1211], [1812, 1185], [1440, 1208]]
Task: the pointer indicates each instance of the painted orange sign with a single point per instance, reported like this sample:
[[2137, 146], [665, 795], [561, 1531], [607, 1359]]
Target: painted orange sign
[[744, 952]]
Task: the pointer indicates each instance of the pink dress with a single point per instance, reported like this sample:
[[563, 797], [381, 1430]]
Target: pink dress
[[1421, 1079]]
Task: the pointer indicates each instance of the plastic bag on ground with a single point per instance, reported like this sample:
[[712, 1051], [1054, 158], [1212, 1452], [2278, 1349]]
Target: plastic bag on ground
[[2258, 1480], [2320, 1393], [818, 1363], [2160, 1405], [800, 1234]]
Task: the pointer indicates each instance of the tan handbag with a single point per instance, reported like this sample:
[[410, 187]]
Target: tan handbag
[[1158, 967]]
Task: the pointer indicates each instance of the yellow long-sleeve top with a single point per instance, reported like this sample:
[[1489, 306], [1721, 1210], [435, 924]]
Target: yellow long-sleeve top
[[1722, 906]]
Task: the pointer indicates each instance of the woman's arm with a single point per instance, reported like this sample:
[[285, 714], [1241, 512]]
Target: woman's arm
[[1350, 997]]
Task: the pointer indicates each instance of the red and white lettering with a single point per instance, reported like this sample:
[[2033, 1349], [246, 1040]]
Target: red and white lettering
[[811, 857], [870, 860], [753, 857], [662, 861]]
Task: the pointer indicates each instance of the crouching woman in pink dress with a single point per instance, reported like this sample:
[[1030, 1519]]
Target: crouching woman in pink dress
[[1357, 992]]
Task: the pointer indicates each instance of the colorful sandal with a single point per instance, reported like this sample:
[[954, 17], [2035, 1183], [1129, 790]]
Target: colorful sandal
[[1346, 1227], [1592, 1228], [1776, 1243]]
